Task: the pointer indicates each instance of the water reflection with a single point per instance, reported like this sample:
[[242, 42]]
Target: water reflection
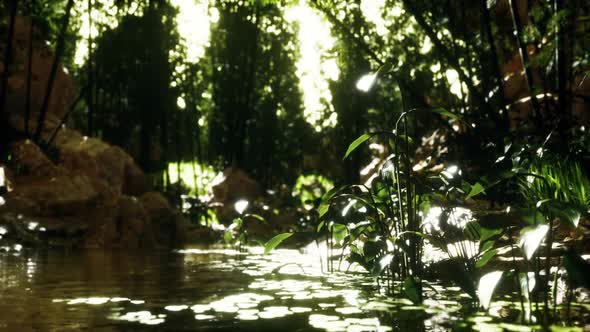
[[199, 289]]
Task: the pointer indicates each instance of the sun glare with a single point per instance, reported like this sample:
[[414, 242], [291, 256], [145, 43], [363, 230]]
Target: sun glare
[[316, 66], [193, 22]]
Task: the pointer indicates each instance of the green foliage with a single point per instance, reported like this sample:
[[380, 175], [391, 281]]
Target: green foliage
[[271, 244], [310, 188], [563, 181]]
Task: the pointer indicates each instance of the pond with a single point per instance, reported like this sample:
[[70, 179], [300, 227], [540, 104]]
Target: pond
[[213, 290]]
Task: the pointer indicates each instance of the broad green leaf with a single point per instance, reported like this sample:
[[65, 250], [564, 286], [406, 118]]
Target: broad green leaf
[[275, 241], [339, 231], [485, 258], [354, 145], [488, 233], [487, 285], [323, 209], [413, 289], [476, 189], [531, 239], [455, 270]]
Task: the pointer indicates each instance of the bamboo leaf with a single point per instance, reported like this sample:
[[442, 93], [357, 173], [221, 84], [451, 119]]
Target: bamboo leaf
[[275, 241], [354, 145], [476, 189]]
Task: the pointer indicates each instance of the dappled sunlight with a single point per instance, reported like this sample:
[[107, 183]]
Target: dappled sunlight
[[103, 18], [198, 177], [193, 24], [316, 66]]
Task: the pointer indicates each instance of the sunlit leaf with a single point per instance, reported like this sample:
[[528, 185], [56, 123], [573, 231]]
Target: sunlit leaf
[[323, 209], [485, 258], [354, 145], [531, 238], [527, 283], [383, 263], [476, 189], [275, 241], [567, 214], [487, 285]]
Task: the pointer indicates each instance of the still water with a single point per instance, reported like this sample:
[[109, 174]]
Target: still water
[[208, 290]]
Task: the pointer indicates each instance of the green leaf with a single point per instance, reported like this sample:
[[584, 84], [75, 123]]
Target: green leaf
[[476, 189], [486, 287], [485, 258], [444, 112], [531, 238], [363, 138], [323, 209], [488, 233], [228, 237], [320, 226], [339, 231], [413, 289], [255, 216], [275, 241], [455, 270]]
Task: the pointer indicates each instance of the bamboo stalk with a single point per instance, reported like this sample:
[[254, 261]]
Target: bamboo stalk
[[29, 69], [524, 57], [58, 52], [8, 55]]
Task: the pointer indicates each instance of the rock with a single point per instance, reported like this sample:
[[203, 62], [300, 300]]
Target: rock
[[135, 181], [232, 185], [156, 206], [57, 196], [31, 160], [235, 184], [95, 158], [131, 222]]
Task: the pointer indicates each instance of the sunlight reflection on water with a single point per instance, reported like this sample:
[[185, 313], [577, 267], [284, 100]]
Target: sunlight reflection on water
[[202, 289]]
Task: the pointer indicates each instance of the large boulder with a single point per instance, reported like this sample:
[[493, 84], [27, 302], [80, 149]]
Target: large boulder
[[80, 200], [232, 185]]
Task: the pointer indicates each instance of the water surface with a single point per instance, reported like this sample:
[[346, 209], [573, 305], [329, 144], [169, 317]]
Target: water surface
[[208, 290]]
